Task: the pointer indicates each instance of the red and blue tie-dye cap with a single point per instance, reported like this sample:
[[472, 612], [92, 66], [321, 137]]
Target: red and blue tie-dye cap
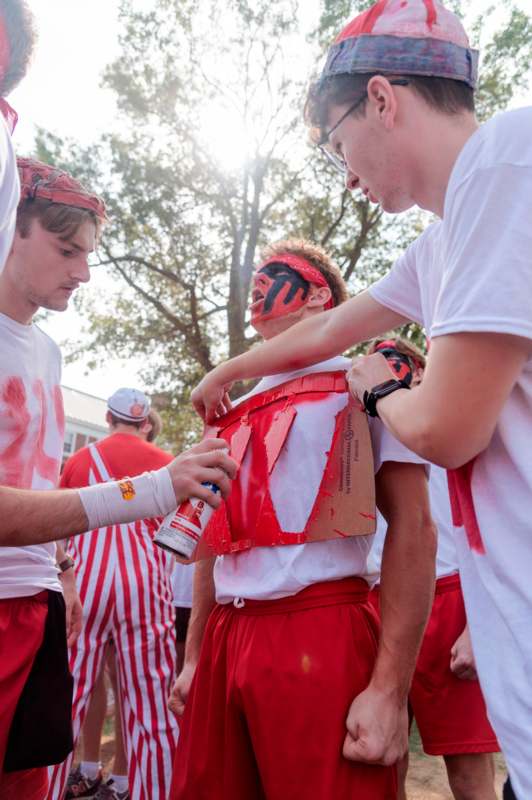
[[404, 37]]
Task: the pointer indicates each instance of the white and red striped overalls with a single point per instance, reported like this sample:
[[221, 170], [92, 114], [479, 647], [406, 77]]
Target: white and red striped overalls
[[124, 585]]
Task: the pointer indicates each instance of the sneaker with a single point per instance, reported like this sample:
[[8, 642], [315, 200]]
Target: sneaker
[[107, 791], [79, 785]]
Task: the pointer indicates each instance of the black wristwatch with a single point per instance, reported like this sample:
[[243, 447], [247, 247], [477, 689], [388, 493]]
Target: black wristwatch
[[380, 391], [66, 563]]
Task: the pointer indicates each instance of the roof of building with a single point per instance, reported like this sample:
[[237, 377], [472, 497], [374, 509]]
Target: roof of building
[[84, 408]]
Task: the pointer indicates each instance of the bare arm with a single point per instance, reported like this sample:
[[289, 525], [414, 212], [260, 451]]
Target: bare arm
[[377, 721], [451, 416], [325, 335], [203, 600], [31, 517], [74, 610], [407, 572]]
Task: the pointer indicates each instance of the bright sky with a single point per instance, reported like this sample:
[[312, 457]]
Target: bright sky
[[62, 93]]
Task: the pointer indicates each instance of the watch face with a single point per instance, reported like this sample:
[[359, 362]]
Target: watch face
[[384, 388], [380, 391]]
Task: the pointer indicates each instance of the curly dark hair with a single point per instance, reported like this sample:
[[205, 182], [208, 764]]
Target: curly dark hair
[[20, 26]]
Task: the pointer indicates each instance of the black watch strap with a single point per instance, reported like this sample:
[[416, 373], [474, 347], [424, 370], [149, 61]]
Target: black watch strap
[[66, 563], [370, 399]]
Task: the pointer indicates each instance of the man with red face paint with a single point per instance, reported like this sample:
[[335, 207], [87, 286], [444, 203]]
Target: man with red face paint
[[394, 111], [282, 641], [280, 291]]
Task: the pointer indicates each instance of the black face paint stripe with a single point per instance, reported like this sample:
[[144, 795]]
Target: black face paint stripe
[[402, 365], [281, 275]]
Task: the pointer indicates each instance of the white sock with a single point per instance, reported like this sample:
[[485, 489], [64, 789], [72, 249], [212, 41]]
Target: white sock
[[91, 769], [120, 783]]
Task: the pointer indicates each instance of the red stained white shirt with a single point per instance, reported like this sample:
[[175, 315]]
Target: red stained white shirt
[[472, 272], [31, 443], [440, 507], [268, 573]]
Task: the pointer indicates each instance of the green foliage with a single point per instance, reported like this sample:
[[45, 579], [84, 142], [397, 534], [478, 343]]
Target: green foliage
[[505, 66], [187, 225]]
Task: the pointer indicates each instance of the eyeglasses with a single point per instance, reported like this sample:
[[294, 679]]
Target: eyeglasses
[[336, 160]]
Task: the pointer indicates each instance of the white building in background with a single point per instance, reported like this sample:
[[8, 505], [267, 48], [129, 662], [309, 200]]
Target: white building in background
[[84, 420]]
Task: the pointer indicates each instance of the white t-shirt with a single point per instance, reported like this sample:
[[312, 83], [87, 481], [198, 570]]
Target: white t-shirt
[[9, 191], [182, 577], [31, 443], [440, 507], [268, 573], [473, 272]]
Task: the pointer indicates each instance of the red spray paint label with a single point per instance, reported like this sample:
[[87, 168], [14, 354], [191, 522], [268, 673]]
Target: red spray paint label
[[180, 531]]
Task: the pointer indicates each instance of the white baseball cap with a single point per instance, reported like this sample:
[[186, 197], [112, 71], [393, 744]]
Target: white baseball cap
[[131, 405]]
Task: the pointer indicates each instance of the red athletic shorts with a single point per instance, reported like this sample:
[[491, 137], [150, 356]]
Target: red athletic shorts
[[265, 718], [450, 713], [22, 622]]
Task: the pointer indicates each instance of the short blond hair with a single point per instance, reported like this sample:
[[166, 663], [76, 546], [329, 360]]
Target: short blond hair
[[317, 257]]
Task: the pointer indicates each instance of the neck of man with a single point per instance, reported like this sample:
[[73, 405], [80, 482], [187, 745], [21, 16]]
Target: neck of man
[[131, 430], [440, 144], [13, 302]]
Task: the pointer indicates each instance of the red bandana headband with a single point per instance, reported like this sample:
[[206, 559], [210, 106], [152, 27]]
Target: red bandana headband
[[38, 180], [303, 268], [391, 344]]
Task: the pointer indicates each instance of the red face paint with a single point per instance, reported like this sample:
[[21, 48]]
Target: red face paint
[[277, 291]]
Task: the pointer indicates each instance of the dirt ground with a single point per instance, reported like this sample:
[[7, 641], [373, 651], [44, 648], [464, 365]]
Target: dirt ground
[[427, 778]]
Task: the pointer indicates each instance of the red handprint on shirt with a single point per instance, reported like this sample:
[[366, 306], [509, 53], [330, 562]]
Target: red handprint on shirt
[[26, 433]]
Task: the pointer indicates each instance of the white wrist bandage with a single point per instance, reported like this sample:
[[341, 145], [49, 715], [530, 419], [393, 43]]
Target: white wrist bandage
[[146, 496]]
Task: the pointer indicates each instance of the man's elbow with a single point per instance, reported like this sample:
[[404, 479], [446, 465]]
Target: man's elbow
[[449, 449]]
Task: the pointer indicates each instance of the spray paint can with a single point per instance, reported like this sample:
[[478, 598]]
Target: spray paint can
[[180, 531]]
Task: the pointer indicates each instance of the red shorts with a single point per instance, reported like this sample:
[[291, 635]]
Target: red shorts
[[450, 712], [22, 622], [265, 718]]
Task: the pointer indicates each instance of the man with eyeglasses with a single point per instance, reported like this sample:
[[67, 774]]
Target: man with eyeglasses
[[468, 280]]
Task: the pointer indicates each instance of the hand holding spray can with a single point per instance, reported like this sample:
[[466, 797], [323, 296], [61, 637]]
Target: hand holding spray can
[[181, 530]]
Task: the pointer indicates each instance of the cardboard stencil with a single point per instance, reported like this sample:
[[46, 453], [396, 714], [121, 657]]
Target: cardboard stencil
[[345, 505], [258, 431]]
